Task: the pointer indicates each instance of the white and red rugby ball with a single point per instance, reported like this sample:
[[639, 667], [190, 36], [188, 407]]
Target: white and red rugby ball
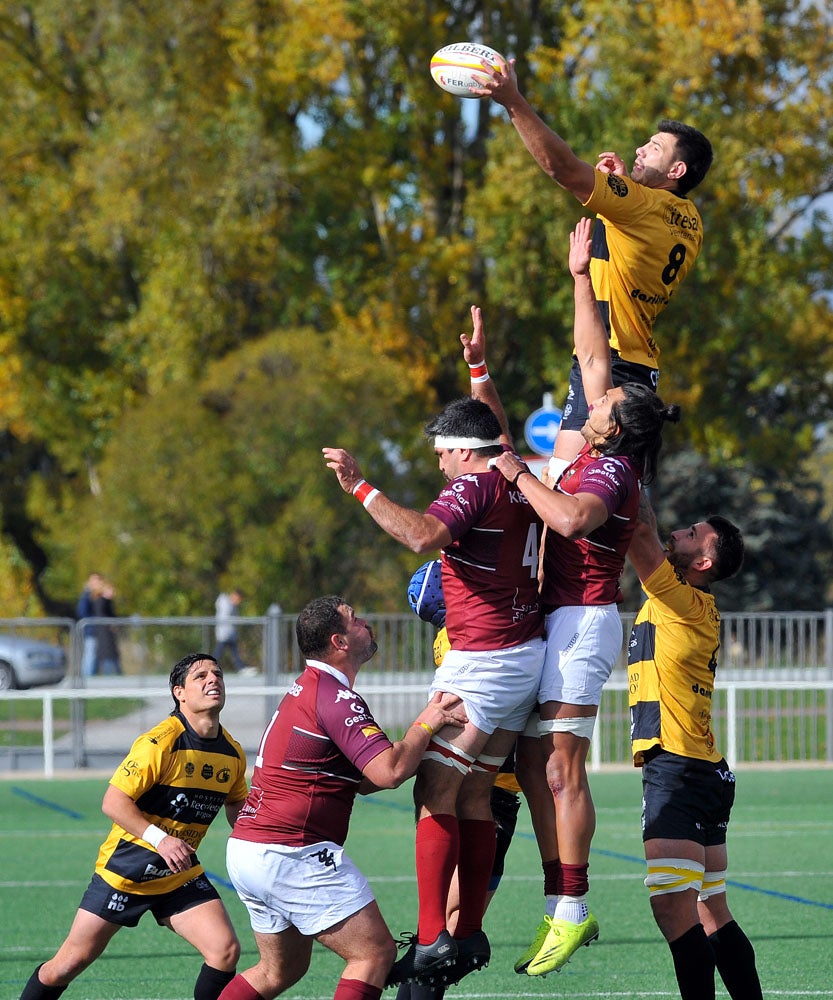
[[457, 67]]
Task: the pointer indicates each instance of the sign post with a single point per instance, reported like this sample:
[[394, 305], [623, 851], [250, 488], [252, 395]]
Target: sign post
[[542, 426]]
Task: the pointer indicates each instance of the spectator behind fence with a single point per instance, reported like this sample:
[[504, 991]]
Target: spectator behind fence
[[227, 610], [85, 609], [107, 659]]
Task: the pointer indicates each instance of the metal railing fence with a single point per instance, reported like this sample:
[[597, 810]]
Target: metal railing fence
[[773, 700]]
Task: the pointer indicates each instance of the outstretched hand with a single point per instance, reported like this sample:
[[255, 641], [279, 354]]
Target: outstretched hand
[[345, 467], [611, 163], [474, 347], [580, 244], [499, 82]]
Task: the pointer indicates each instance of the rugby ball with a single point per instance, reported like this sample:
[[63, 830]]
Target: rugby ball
[[456, 67]]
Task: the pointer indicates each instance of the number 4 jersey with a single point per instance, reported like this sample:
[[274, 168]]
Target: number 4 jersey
[[644, 243]]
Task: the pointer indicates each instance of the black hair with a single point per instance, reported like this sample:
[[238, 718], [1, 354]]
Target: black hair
[[317, 622], [639, 416], [729, 548], [693, 148], [467, 417], [180, 671]]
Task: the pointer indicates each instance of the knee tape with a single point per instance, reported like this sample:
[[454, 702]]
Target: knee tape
[[581, 726], [713, 884], [666, 875]]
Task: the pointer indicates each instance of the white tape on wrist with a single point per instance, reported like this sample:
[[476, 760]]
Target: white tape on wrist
[[153, 835]]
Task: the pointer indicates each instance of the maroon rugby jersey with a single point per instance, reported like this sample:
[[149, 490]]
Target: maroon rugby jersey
[[587, 571], [490, 569], [309, 763]]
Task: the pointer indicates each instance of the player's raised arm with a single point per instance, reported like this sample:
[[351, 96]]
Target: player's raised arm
[[418, 531], [482, 384], [592, 345], [552, 154], [646, 551]]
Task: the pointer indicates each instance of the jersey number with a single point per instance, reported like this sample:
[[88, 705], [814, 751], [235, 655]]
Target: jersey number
[[530, 558], [675, 262]]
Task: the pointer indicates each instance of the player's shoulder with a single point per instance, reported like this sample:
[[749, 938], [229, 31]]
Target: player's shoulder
[[164, 734]]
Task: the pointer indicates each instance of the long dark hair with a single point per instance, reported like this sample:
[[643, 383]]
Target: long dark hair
[[640, 417]]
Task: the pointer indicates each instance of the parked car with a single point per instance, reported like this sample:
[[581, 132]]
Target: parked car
[[28, 663]]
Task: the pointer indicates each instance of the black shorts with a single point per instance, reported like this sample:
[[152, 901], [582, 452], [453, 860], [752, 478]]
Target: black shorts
[[575, 408], [686, 799], [126, 908]]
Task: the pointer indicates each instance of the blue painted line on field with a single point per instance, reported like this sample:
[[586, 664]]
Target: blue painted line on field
[[787, 897], [218, 879], [46, 803], [735, 885]]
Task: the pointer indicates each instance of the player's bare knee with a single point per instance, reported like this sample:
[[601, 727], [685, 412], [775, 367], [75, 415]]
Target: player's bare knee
[[223, 955]]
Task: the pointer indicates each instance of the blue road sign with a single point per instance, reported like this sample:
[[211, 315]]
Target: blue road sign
[[540, 429]]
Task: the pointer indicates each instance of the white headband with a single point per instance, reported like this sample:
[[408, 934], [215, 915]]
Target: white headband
[[461, 442]]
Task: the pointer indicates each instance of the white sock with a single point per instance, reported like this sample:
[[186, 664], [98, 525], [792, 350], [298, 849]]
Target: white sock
[[572, 908], [551, 902]]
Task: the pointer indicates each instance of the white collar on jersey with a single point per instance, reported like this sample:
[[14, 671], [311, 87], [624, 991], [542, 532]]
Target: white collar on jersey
[[331, 670]]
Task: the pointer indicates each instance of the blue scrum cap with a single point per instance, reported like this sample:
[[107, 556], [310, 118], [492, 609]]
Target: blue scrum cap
[[425, 593]]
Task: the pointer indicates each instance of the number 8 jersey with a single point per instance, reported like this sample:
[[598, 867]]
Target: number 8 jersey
[[644, 243]]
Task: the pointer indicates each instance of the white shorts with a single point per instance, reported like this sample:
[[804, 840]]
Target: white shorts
[[311, 887], [583, 644], [498, 686]]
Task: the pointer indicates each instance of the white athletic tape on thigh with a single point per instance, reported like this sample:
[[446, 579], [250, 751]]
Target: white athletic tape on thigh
[[673, 875], [531, 727], [713, 884], [444, 753], [581, 726], [490, 764]]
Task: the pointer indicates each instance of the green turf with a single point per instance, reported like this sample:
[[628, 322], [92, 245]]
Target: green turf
[[781, 891]]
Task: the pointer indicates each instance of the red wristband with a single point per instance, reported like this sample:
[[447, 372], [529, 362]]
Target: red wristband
[[479, 372], [364, 492]]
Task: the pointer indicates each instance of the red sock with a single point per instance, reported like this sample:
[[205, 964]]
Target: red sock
[[437, 850], [240, 989], [574, 880], [478, 840], [355, 989], [552, 877]]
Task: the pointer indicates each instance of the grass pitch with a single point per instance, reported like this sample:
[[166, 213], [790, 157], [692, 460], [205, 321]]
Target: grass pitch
[[780, 891]]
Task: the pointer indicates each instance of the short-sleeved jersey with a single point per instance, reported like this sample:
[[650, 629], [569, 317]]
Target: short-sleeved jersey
[[180, 781], [644, 243], [490, 568], [586, 571], [672, 658], [309, 763]]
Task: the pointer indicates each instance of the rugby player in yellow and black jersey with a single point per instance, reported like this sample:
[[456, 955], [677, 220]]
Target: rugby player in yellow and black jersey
[[162, 798], [647, 236], [687, 787]]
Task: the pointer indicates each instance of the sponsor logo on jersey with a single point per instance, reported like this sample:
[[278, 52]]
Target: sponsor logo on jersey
[[650, 299], [617, 186], [295, 690], [189, 769], [151, 871], [369, 731], [344, 695], [179, 804], [207, 771], [224, 775], [677, 219]]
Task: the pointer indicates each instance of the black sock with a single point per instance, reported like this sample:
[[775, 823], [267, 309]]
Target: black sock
[[211, 983], [35, 990], [694, 964], [735, 960]]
